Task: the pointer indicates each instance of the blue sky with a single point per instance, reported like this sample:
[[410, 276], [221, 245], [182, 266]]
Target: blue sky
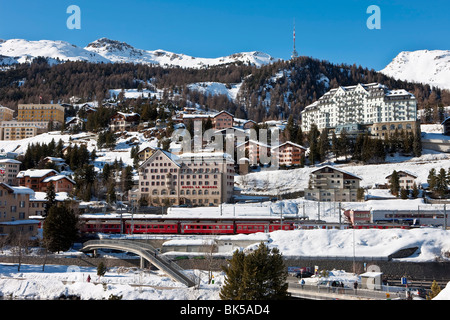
[[331, 30]]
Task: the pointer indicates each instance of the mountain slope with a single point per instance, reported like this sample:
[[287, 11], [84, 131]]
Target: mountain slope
[[107, 51], [20, 51], [117, 51], [423, 66]]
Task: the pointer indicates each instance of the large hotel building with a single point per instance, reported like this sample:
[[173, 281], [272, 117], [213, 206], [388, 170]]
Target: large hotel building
[[197, 179], [370, 107]]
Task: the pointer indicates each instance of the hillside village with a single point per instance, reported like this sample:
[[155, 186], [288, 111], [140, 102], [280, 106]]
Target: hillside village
[[150, 156]]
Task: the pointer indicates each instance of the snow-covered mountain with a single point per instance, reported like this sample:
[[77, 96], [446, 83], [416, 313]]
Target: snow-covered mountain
[[423, 66], [20, 51], [106, 50]]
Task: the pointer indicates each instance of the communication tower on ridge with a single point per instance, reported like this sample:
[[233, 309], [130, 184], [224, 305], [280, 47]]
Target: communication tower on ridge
[[294, 52]]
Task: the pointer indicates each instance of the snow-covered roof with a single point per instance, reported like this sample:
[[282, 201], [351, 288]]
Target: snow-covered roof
[[35, 173], [10, 161], [337, 169], [291, 143], [57, 177]]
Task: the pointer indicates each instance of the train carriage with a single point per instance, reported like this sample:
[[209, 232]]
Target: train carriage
[[206, 228], [149, 226], [101, 226]]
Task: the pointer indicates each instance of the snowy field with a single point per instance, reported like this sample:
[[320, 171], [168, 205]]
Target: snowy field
[[31, 283]]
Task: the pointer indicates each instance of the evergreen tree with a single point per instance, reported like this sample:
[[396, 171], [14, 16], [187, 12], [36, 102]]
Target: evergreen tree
[[323, 145], [50, 197], [417, 142], [431, 179], [404, 193], [313, 138], [414, 191], [394, 183], [435, 290], [60, 228], [232, 289], [441, 183], [260, 275]]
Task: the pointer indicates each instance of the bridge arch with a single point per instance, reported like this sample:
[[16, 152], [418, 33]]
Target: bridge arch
[[145, 251]]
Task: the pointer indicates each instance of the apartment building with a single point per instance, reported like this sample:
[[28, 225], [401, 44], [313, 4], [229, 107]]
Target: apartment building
[[14, 211], [220, 120], [258, 153], [39, 180], [6, 114], [124, 121], [373, 106], [289, 153], [41, 113], [197, 179], [332, 184], [14, 130], [9, 168]]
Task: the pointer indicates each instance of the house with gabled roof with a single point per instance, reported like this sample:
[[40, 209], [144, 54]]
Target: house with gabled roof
[[14, 206], [289, 153], [329, 183]]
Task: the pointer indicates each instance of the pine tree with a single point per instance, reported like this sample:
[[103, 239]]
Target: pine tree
[[233, 281], [50, 197], [417, 142], [431, 179], [404, 193], [394, 183], [60, 228], [414, 191], [260, 275], [435, 290], [441, 182]]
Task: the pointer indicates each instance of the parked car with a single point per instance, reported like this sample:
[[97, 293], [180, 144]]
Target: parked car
[[420, 292]]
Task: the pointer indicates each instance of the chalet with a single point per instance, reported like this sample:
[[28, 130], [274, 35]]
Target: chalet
[[61, 183], [145, 153], [332, 184], [223, 120], [256, 152], [406, 179], [34, 178], [39, 179], [289, 153], [124, 121]]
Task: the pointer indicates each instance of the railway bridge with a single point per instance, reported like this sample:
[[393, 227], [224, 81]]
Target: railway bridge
[[146, 252]]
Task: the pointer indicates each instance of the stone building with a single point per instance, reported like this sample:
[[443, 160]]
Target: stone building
[[195, 179]]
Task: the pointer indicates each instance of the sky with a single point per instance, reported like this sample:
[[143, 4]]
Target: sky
[[330, 30]]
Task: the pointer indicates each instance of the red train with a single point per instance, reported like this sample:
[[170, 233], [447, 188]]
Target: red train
[[219, 226], [182, 226]]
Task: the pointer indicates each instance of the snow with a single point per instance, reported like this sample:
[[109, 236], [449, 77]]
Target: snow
[[136, 284], [422, 66], [31, 283], [433, 243], [110, 51], [216, 88], [24, 51]]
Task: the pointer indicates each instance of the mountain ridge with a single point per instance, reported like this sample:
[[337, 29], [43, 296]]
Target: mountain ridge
[[430, 67], [111, 51]]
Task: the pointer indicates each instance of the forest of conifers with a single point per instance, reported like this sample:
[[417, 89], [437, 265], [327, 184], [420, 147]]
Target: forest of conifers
[[270, 92]]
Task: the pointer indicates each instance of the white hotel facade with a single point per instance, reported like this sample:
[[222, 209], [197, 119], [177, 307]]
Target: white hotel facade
[[363, 107]]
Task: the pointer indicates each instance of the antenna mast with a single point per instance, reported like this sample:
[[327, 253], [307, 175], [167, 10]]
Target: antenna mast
[[294, 52]]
